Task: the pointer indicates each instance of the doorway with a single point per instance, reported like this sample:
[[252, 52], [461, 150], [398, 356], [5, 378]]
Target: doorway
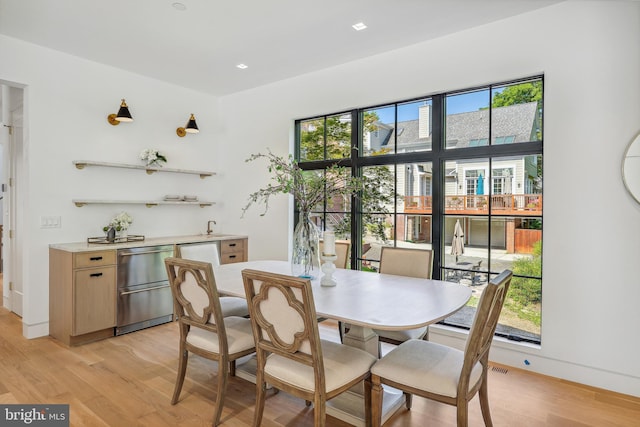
[[11, 171]]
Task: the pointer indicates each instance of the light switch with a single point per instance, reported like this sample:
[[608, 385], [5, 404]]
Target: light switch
[[50, 222]]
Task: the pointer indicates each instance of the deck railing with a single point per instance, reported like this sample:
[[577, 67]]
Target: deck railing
[[501, 204]]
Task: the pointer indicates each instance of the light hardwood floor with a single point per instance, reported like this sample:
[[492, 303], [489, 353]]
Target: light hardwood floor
[[128, 381]]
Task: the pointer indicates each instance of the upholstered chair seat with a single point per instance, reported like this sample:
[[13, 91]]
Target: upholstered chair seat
[[208, 252], [441, 373]]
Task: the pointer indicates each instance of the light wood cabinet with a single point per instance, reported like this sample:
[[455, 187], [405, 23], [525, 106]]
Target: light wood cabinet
[[82, 295], [83, 290], [236, 250]]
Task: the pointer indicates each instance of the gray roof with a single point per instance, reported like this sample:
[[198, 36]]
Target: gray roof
[[517, 120]]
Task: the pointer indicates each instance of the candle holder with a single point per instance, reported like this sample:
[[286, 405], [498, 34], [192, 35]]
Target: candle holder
[[328, 268]]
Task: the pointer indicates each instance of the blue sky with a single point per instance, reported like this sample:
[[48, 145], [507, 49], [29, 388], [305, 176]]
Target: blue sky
[[470, 101]]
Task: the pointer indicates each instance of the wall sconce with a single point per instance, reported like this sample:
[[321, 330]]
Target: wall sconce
[[191, 127], [123, 115]]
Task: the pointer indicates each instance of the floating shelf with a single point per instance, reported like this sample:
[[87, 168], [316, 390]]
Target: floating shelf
[[81, 164], [148, 203]]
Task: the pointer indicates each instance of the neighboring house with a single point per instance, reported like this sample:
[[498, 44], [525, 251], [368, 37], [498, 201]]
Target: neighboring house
[[512, 183]]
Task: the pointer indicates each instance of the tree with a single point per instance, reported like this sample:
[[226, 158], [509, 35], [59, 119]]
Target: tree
[[377, 191], [518, 94], [377, 194], [521, 94]]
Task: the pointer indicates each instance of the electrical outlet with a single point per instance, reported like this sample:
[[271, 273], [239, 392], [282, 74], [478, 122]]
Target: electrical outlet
[[50, 222]]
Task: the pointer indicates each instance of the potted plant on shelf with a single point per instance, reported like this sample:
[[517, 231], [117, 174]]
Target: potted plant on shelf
[[118, 225], [152, 157]]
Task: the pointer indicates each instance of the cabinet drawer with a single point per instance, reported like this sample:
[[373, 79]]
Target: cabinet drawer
[[94, 259], [94, 300], [231, 246], [231, 258]]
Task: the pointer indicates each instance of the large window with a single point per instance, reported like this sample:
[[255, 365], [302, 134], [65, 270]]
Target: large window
[[469, 160]]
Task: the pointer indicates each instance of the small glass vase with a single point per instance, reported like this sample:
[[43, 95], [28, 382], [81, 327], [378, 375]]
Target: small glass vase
[[305, 257], [110, 234]]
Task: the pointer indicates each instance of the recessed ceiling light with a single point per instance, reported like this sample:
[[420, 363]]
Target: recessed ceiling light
[[359, 26], [179, 6], [242, 66]]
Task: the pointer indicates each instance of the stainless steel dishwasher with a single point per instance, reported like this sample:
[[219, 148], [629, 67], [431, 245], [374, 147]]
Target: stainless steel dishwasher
[[144, 295]]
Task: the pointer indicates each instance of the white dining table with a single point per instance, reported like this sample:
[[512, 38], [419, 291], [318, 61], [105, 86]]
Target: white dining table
[[365, 301]]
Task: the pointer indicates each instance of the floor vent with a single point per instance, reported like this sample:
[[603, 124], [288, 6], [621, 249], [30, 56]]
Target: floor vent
[[499, 370]]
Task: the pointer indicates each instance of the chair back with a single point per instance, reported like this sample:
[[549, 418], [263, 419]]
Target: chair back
[[284, 321], [406, 262], [342, 252], [195, 296], [484, 325], [205, 252]]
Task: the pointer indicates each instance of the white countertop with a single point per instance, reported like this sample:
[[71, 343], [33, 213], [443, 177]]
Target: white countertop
[[153, 241]]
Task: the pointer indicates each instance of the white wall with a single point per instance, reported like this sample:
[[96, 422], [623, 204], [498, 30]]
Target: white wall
[[67, 100], [588, 52]]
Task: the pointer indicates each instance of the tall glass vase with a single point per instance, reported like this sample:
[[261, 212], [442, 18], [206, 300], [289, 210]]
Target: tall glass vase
[[305, 259]]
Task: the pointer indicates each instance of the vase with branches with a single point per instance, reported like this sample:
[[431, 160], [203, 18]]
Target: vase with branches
[[310, 189]]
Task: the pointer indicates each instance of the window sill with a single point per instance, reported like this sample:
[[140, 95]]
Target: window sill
[[450, 333]]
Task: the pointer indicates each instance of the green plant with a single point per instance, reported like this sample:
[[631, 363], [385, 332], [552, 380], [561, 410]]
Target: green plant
[[308, 188], [525, 293]]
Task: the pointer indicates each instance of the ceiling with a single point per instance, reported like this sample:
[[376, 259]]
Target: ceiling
[[199, 47]]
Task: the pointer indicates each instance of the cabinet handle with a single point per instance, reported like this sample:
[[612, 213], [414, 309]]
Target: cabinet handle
[[145, 252], [144, 290], [232, 244], [232, 256], [95, 258], [95, 275]]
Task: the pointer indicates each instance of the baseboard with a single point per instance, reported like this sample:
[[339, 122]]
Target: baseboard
[[528, 357], [35, 331]]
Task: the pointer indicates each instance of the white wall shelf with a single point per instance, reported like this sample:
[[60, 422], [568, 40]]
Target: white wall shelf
[[81, 164], [148, 203]]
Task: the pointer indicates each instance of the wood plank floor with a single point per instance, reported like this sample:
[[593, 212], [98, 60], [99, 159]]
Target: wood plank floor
[[128, 381]]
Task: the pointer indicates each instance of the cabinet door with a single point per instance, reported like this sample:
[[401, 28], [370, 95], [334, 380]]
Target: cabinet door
[[94, 299]]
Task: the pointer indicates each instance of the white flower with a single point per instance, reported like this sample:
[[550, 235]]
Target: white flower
[[144, 154], [121, 221], [152, 157]]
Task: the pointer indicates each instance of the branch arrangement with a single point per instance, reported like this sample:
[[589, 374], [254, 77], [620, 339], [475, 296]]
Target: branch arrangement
[[308, 188]]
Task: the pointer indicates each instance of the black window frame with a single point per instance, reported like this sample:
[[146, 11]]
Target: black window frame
[[438, 156]]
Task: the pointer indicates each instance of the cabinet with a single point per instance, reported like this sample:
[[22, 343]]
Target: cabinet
[[81, 164], [84, 278], [82, 295], [233, 251]]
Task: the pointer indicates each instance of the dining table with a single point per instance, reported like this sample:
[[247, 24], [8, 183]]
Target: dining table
[[366, 301]]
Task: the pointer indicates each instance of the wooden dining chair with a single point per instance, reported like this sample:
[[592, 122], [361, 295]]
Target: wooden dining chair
[[203, 329], [208, 252], [411, 263], [402, 262], [290, 354], [442, 373]]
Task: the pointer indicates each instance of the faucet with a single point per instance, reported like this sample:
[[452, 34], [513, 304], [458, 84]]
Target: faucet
[[209, 230]]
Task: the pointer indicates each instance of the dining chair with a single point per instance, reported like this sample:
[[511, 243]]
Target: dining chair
[[442, 373], [404, 262], [290, 354], [408, 262], [203, 329], [208, 252], [342, 252]]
